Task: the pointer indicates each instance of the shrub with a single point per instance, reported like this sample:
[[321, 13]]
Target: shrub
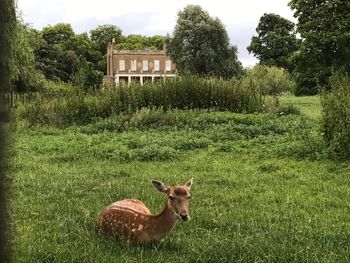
[[269, 80], [336, 116]]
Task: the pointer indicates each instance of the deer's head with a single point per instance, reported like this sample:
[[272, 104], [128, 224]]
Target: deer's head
[[178, 197]]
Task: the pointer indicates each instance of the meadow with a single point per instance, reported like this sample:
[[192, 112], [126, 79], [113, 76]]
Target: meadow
[[264, 189]]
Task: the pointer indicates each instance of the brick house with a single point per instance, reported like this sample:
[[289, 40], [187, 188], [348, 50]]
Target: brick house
[[124, 66]]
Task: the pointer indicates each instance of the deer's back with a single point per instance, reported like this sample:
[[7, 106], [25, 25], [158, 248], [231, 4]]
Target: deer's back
[[124, 218]]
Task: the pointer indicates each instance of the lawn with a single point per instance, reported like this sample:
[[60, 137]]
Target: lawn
[[263, 189]]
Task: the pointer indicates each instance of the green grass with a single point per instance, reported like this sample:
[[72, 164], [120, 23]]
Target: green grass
[[309, 105], [263, 191]]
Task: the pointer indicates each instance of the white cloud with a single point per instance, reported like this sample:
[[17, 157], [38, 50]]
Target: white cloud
[[153, 16]]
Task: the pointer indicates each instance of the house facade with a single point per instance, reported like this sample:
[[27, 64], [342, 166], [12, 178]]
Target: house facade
[[124, 66]]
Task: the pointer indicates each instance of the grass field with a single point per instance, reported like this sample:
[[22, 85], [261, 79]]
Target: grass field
[[263, 189]]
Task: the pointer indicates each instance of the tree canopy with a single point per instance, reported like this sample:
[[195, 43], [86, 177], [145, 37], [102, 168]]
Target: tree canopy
[[200, 45], [275, 43], [103, 34], [324, 27], [140, 42]]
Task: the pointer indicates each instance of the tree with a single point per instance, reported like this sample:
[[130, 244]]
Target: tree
[[275, 43], [83, 47], [57, 34], [24, 74], [324, 27], [200, 45], [60, 54], [87, 77], [103, 34], [139, 42]]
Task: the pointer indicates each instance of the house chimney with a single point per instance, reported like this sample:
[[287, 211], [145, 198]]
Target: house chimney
[[113, 43]]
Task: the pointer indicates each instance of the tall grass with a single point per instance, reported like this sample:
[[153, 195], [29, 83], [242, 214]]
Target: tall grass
[[187, 92]]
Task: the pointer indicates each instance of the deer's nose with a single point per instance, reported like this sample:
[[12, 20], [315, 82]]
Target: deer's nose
[[184, 217]]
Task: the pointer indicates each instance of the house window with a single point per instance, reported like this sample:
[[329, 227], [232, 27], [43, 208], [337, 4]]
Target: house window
[[122, 65], [156, 65], [145, 65], [133, 65], [168, 65]]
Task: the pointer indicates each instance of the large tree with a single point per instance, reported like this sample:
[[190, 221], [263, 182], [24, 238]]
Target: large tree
[[139, 42], [275, 43], [200, 45], [103, 34], [324, 27], [60, 54], [24, 74]]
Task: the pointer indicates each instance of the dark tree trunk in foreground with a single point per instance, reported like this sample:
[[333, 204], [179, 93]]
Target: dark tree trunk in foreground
[[7, 28]]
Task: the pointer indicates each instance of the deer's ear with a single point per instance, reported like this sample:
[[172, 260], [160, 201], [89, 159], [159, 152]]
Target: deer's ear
[[159, 186], [189, 184]]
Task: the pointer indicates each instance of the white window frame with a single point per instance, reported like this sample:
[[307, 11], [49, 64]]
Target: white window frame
[[121, 65], [145, 65], [156, 65], [133, 64], [168, 65]]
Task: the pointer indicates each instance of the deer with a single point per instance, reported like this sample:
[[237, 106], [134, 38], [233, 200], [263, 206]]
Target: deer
[[130, 218]]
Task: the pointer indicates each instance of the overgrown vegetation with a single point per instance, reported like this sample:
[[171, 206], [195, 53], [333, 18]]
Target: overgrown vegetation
[[262, 191], [265, 188], [181, 93], [336, 116], [271, 80]]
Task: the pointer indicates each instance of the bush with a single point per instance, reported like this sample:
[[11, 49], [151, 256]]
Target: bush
[[269, 80], [336, 116]]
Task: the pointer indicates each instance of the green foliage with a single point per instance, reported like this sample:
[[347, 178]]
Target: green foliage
[[270, 80], [200, 45], [103, 34], [60, 54], [84, 48], [324, 26], [180, 93], [309, 74], [7, 29], [87, 77], [139, 42], [288, 110], [257, 196], [24, 76], [336, 116], [309, 106], [276, 42], [57, 34]]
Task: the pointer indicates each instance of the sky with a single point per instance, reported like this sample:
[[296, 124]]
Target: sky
[[154, 17]]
